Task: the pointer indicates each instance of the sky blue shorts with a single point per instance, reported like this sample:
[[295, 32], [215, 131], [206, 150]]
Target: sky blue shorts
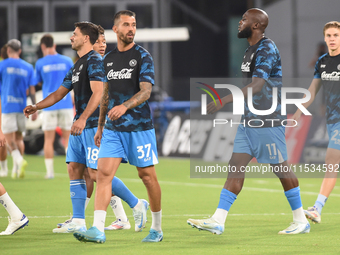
[[139, 148], [82, 149], [267, 145], [334, 135]]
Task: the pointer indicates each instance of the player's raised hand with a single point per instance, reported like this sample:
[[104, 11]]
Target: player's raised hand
[[29, 110], [117, 112], [212, 108], [78, 127]]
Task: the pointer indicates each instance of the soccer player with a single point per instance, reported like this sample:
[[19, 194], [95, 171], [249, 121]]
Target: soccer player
[[121, 222], [327, 74], [86, 79], [128, 130], [261, 70], [51, 70], [15, 71]]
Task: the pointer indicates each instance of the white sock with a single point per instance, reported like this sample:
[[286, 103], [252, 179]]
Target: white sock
[[118, 209], [49, 167], [138, 205], [87, 201], [79, 221], [157, 221], [299, 216], [99, 219], [17, 158], [13, 211], [3, 165], [220, 215]]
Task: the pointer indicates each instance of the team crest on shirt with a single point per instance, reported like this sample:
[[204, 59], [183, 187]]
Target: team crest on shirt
[[133, 62], [80, 67], [251, 56], [338, 67]]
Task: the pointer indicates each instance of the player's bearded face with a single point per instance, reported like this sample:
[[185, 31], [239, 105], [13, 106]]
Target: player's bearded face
[[246, 32], [126, 37], [77, 39], [126, 29]]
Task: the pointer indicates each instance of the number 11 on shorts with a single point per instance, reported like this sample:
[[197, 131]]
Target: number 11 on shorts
[[269, 149]]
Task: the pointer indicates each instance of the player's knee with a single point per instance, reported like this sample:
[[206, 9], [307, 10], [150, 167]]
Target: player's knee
[[147, 179]]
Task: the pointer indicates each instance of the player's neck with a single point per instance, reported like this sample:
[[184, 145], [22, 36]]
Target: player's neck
[[121, 46], [50, 51], [84, 50], [13, 55], [334, 53], [255, 38]]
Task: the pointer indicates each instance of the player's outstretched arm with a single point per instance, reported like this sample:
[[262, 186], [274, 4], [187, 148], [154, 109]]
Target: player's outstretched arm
[[50, 100], [313, 89], [97, 91], [104, 102], [139, 98]]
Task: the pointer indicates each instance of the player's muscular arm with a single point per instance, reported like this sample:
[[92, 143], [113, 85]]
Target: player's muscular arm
[[256, 84], [79, 124], [104, 102], [50, 100], [140, 97]]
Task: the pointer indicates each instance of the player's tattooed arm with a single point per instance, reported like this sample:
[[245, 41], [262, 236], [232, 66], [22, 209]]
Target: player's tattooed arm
[[104, 102], [140, 97]]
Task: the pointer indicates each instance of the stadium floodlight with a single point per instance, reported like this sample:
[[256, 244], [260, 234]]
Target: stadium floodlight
[[142, 35]]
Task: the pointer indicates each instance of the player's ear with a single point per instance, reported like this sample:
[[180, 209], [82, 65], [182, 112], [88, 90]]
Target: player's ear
[[114, 28], [87, 38]]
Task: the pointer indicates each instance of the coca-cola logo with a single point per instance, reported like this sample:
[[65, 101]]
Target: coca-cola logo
[[334, 76], [125, 73]]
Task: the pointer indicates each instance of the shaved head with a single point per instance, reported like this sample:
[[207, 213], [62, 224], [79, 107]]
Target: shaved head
[[258, 16]]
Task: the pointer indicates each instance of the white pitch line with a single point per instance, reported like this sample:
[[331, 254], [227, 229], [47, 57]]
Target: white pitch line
[[203, 185]]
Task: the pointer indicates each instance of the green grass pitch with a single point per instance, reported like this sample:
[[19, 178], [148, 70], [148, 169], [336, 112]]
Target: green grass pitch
[[259, 212]]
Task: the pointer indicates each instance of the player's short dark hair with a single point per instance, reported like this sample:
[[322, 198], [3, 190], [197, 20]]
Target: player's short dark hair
[[47, 40], [88, 28], [335, 24], [120, 13], [4, 52], [101, 30]]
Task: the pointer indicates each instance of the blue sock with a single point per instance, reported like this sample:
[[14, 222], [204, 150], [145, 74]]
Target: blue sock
[[78, 198], [320, 202], [227, 198], [120, 190], [294, 198]]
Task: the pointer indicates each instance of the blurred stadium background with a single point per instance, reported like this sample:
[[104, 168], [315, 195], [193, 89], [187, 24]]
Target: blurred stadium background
[[212, 50]]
